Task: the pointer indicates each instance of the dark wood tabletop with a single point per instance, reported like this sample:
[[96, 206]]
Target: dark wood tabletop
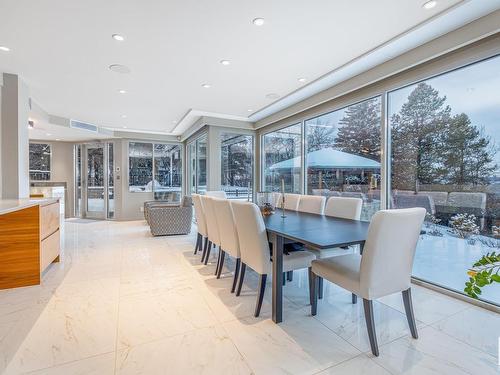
[[317, 231]]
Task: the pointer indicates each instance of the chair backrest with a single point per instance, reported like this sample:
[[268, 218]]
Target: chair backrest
[[345, 208], [227, 226], [211, 220], [276, 199], [216, 194], [199, 215], [291, 201], [389, 251], [252, 235], [313, 204]]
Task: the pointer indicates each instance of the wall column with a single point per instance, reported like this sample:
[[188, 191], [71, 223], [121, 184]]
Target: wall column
[[14, 148]]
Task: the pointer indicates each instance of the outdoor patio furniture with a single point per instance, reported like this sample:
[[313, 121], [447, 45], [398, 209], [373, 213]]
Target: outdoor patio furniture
[[467, 199], [439, 197], [170, 219], [403, 200]]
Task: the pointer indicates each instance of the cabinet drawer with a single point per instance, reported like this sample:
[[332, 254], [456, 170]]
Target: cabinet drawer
[[49, 250], [49, 219]]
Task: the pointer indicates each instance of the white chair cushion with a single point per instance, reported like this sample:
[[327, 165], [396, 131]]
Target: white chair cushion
[[297, 260], [332, 252], [342, 270]]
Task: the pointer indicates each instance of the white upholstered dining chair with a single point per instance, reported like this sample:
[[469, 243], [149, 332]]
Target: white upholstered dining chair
[[313, 204], [344, 207], [254, 248], [228, 236], [383, 269], [291, 201], [212, 227], [200, 223], [216, 194]]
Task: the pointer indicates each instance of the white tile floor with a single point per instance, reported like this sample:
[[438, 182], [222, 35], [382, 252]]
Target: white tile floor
[[123, 302]]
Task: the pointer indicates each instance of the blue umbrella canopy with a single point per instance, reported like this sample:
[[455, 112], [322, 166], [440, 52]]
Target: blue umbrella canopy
[[328, 158]]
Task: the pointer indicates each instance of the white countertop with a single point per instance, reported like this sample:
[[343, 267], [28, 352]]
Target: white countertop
[[11, 205]]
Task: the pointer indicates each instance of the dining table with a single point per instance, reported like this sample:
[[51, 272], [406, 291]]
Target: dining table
[[314, 231]]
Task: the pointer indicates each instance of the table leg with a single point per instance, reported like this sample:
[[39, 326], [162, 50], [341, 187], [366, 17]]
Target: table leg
[[278, 243]]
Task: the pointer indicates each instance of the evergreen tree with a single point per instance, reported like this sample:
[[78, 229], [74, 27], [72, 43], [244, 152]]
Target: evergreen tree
[[359, 131], [417, 138], [467, 153], [320, 134]]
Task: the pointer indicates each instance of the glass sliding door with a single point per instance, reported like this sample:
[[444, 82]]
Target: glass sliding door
[[201, 165], [111, 184], [95, 181], [445, 133], [197, 165], [237, 165], [342, 155], [282, 159]]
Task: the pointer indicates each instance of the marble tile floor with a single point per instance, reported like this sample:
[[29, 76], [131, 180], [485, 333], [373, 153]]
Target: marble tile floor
[[123, 302]]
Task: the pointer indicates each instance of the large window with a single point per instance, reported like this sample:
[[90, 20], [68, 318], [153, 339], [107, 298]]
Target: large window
[[343, 154], [39, 161], [445, 136], [167, 170], [155, 168], [140, 161], [282, 159], [197, 167], [236, 165]]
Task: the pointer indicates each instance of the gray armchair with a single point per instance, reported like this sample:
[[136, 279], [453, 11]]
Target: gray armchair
[[168, 219]]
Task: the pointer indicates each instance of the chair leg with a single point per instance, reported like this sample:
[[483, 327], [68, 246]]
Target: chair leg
[[409, 312], [354, 299], [221, 257], [370, 325], [208, 253], [198, 239], [208, 244], [284, 278], [260, 297], [236, 273], [314, 293], [218, 262], [289, 276], [310, 280], [320, 288], [242, 276]]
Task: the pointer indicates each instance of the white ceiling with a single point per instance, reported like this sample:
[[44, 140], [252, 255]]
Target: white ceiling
[[63, 48]]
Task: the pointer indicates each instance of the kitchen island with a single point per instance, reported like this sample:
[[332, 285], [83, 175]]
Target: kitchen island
[[29, 240]]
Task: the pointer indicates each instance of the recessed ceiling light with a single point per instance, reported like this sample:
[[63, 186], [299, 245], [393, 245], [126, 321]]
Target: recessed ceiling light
[[118, 68], [225, 62], [58, 139], [118, 37], [48, 134], [429, 4], [124, 116], [124, 127], [206, 86], [272, 96], [258, 21], [174, 122], [249, 110], [5, 49], [302, 79], [122, 91]]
